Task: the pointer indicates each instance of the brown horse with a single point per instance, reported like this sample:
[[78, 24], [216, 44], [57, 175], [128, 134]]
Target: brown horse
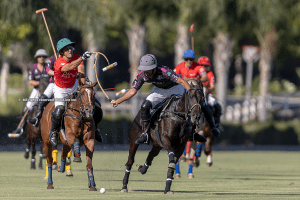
[[171, 131], [34, 133], [77, 125]]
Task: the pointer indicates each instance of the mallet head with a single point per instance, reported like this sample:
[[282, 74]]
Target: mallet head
[[41, 10]]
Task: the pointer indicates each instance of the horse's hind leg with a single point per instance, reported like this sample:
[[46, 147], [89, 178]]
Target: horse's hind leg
[[33, 152], [153, 153], [89, 146], [208, 150], [132, 150], [77, 153], [26, 155], [64, 153], [41, 156]]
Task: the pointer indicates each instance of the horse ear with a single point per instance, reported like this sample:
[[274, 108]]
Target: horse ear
[[79, 82], [94, 84]]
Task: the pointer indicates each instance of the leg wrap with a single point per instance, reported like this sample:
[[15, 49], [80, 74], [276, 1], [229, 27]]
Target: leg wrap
[[198, 150], [144, 169], [63, 165], [126, 177], [91, 178], [77, 148], [177, 171], [172, 158], [50, 174]]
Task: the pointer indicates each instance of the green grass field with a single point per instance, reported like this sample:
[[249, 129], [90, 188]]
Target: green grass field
[[234, 175]]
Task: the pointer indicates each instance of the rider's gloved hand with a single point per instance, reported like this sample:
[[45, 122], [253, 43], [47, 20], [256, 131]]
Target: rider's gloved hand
[[86, 55]]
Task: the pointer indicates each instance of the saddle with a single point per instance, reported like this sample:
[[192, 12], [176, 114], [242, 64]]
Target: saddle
[[161, 111]]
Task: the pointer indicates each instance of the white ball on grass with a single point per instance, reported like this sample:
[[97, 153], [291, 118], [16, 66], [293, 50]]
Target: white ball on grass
[[102, 190]]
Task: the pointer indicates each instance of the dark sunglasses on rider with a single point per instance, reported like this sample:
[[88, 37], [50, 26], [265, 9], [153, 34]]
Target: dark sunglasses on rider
[[190, 59], [67, 48]]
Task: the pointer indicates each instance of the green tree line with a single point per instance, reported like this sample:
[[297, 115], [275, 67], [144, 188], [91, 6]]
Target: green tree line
[[127, 29]]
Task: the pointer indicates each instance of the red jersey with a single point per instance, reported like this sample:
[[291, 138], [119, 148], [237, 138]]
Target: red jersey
[[192, 72], [211, 78], [65, 79]]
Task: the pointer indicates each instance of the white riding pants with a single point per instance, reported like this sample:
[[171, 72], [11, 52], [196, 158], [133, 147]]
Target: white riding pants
[[32, 100], [211, 100], [61, 93], [49, 90], [157, 95]]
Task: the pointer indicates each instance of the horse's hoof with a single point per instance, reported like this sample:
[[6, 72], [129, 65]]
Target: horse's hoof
[[196, 162], [209, 164], [190, 175], [138, 166], [92, 188], [50, 186], [182, 159], [77, 159], [54, 166], [26, 155], [58, 168], [172, 165], [69, 173], [177, 176], [45, 178], [124, 190], [169, 192]]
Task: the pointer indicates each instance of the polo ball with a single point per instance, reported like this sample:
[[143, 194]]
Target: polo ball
[[102, 190]]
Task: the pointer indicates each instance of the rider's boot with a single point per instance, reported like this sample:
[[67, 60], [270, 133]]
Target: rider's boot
[[56, 118], [41, 104], [146, 116], [98, 114], [209, 118], [217, 116]]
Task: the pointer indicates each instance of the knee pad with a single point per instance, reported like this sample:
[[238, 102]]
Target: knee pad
[[58, 112], [145, 110]]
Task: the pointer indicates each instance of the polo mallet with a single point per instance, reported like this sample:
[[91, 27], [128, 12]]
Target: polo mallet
[[191, 30], [42, 11], [104, 69], [16, 135]]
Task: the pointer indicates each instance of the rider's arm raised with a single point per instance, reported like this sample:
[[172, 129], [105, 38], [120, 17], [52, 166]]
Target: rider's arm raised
[[73, 65], [183, 83]]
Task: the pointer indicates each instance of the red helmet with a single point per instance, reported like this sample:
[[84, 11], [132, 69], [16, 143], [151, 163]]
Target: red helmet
[[203, 60]]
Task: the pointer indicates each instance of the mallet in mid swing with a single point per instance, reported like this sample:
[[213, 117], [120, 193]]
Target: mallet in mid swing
[[42, 11]]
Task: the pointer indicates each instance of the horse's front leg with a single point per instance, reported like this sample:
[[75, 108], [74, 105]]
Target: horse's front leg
[[89, 146], [153, 153], [48, 152], [33, 152]]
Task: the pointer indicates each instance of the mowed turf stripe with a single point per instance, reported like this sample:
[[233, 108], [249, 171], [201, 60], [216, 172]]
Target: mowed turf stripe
[[233, 175]]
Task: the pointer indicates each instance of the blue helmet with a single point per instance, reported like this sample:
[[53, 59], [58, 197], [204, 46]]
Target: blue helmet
[[189, 53]]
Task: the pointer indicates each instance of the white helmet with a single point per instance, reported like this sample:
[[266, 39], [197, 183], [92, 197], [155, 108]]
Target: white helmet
[[41, 52]]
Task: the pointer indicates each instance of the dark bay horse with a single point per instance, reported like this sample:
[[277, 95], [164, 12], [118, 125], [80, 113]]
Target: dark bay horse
[[172, 131], [78, 125], [34, 133]]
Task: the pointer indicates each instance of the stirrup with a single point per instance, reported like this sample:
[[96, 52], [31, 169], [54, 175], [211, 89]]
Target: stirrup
[[34, 121]]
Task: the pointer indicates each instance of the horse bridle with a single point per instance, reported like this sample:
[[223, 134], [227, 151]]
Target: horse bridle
[[189, 111], [82, 106]]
